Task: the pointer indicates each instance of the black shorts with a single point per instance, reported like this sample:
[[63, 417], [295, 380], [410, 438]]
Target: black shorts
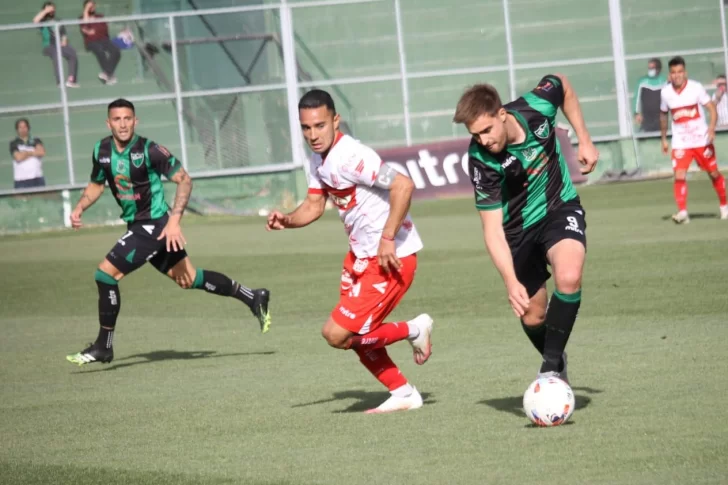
[[529, 247], [140, 245]]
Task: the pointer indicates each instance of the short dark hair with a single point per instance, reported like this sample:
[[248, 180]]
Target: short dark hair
[[315, 99], [120, 103], [478, 100], [22, 120], [657, 62], [676, 61], [46, 4], [721, 76]]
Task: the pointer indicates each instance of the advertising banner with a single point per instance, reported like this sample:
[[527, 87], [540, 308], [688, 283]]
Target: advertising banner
[[440, 169]]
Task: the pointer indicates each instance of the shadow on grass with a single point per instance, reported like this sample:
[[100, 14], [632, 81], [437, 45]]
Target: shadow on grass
[[161, 355], [697, 215], [364, 400], [514, 404]]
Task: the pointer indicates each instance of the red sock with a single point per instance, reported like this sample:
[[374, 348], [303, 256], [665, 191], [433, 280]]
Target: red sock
[[681, 194], [386, 334], [381, 366], [719, 186]]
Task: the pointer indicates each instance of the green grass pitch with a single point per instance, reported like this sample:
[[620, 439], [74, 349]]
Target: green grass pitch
[[197, 396]]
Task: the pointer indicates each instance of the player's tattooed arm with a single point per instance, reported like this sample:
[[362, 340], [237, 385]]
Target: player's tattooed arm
[[90, 195], [184, 190]]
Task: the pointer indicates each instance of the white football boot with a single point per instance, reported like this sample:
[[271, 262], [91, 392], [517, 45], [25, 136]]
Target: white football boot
[[422, 344], [394, 403], [724, 212], [681, 217]]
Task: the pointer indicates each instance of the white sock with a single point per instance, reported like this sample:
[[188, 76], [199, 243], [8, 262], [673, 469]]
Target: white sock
[[403, 391], [414, 331]]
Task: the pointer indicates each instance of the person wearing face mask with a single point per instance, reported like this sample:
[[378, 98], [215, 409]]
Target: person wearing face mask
[[48, 33], [96, 40], [647, 97]]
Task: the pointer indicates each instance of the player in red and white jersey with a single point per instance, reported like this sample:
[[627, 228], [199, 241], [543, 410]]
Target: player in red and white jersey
[[692, 138], [373, 201]]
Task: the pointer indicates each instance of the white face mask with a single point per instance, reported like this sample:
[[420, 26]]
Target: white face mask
[[652, 72]]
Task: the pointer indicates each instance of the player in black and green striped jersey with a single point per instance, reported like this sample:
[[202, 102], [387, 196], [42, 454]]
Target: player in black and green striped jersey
[[531, 214], [133, 166]]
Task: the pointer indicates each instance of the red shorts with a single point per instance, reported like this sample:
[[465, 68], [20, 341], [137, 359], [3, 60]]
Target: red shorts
[[705, 156], [368, 294]]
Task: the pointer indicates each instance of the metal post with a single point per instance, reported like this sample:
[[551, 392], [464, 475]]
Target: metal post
[[291, 71], [403, 73], [509, 50], [178, 91], [64, 105], [723, 33], [620, 69], [218, 150]]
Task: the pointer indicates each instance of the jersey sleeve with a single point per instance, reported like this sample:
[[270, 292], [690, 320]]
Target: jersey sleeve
[[163, 162], [13, 147], [663, 103], [97, 173], [486, 182], [362, 167], [315, 186], [547, 96]]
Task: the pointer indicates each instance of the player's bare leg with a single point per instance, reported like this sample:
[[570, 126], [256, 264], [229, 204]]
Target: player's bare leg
[[680, 190], [566, 258], [374, 357], [533, 324], [107, 281], [188, 277], [719, 185]]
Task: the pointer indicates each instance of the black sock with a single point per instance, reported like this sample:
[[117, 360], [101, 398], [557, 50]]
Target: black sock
[[219, 284], [536, 334], [560, 318], [109, 306]]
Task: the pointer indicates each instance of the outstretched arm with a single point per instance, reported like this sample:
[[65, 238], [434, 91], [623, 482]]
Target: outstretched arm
[[309, 211]]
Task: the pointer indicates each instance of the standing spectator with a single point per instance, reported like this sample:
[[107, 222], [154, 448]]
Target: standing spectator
[[27, 153], [721, 100], [49, 44], [96, 39], [647, 97]]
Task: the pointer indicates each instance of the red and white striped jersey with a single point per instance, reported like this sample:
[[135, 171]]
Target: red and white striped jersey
[[689, 125], [347, 176]]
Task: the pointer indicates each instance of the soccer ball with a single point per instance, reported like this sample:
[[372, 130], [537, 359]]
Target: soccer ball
[[548, 401]]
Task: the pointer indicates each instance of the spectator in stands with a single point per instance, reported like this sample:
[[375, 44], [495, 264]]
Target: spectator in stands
[[647, 97], [721, 100], [48, 33], [27, 152], [96, 39]]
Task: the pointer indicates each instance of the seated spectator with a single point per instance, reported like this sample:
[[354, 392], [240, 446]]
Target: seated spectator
[[96, 39], [27, 153], [721, 100], [49, 44]]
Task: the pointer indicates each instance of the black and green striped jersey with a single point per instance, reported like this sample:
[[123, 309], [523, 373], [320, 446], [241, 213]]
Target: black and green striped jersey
[[134, 176], [530, 179]]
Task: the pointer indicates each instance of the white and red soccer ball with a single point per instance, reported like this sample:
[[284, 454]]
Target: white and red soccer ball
[[548, 401]]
